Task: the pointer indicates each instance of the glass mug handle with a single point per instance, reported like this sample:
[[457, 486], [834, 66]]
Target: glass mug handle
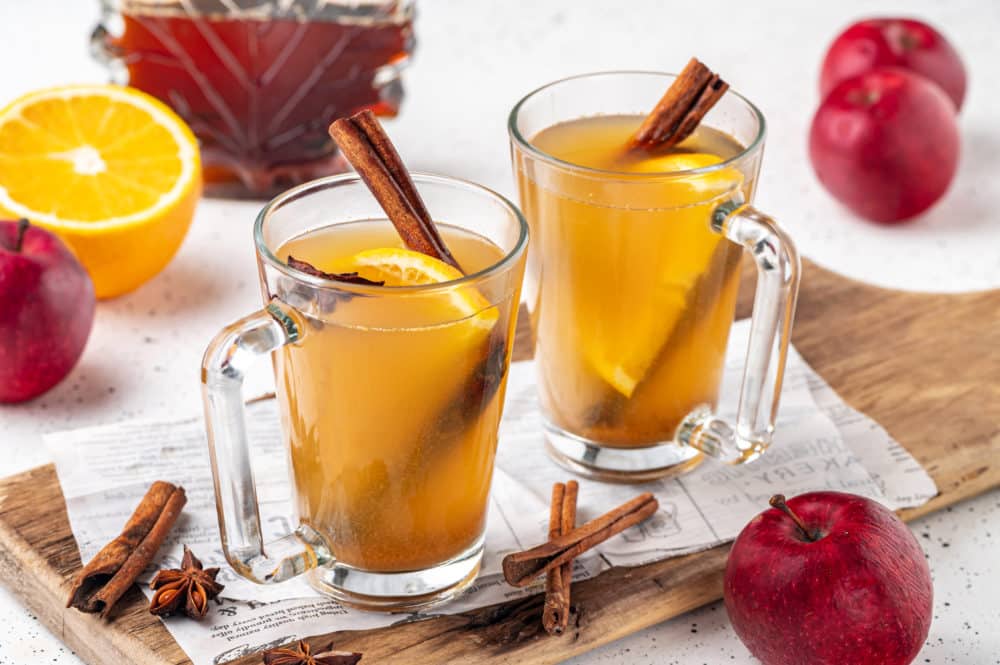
[[778, 273], [223, 370]]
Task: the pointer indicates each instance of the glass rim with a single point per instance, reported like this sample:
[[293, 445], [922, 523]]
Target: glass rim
[[265, 253], [523, 143]]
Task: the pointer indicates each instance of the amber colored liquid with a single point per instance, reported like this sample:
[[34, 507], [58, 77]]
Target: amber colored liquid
[[259, 94], [637, 293], [392, 435]]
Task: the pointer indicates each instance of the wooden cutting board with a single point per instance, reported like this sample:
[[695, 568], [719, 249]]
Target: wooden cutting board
[[927, 367]]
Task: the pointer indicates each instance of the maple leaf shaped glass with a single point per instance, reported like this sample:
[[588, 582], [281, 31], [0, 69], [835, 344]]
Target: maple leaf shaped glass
[[259, 81]]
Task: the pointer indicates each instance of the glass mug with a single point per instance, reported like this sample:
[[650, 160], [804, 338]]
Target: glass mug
[[260, 80], [633, 275], [390, 397]]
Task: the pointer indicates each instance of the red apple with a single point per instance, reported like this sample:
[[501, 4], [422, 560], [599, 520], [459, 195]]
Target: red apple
[[828, 579], [46, 310], [885, 144], [894, 42]]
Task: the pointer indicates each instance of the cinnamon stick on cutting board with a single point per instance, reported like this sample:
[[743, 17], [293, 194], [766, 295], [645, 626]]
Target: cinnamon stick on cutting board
[[107, 576], [521, 568], [562, 520]]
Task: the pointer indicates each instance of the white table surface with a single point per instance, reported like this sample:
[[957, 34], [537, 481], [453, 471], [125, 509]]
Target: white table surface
[[475, 59]]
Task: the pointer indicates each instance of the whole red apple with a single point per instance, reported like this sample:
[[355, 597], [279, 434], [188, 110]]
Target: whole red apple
[[46, 310], [894, 42], [828, 579], [885, 144]]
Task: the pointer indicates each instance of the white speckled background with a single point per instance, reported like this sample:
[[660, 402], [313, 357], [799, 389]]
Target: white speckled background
[[474, 61]]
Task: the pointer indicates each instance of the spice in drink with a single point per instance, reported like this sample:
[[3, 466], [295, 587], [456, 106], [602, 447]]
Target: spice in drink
[[367, 147], [692, 94], [349, 277]]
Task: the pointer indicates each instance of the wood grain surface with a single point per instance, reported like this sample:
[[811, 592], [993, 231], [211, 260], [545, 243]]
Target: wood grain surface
[[927, 367]]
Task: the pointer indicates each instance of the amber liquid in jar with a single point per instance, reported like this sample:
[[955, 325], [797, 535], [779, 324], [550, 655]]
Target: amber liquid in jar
[[259, 91]]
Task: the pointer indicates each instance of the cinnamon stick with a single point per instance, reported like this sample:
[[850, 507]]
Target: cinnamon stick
[[367, 147], [364, 143], [562, 520], [521, 568], [692, 94], [349, 277], [107, 576], [554, 601]]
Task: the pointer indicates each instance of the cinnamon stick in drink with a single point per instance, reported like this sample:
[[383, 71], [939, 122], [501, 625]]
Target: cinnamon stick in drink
[[364, 143], [606, 416], [693, 93], [562, 520], [366, 146], [521, 568], [348, 277], [107, 576], [677, 114]]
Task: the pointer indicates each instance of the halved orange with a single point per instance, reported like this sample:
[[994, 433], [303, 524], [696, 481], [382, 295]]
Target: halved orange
[[114, 172]]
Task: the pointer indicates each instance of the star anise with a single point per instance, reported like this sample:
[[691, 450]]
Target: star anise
[[317, 302], [303, 656], [186, 590], [349, 277]]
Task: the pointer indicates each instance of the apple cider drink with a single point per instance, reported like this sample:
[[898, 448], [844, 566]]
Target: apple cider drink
[[633, 312], [391, 407], [391, 335]]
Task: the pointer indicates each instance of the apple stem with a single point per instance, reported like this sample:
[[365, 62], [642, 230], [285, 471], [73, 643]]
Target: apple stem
[[22, 228], [864, 98], [778, 501]]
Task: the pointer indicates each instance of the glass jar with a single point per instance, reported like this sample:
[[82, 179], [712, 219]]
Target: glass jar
[[259, 81]]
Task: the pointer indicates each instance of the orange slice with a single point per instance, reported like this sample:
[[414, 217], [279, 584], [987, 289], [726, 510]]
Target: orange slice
[[114, 172], [696, 188], [623, 352], [404, 267]]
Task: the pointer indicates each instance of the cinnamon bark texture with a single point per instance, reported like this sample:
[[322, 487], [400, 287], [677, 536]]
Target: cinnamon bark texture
[[326, 299], [366, 146], [562, 520], [113, 570], [692, 94], [349, 277], [364, 143], [521, 568]]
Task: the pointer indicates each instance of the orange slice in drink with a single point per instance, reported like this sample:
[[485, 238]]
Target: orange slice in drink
[[114, 172], [695, 188], [622, 352], [404, 267]]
